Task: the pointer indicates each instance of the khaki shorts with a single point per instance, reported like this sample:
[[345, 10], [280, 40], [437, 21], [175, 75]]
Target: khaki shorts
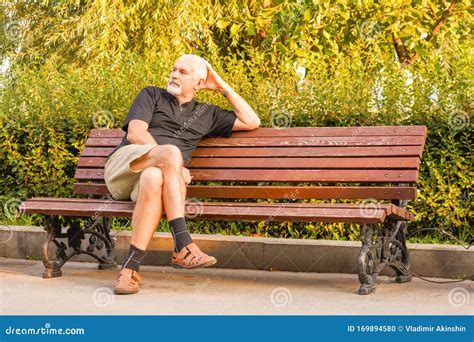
[[121, 181]]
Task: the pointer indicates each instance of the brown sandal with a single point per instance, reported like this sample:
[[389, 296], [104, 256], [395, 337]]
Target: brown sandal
[[128, 282], [192, 257]]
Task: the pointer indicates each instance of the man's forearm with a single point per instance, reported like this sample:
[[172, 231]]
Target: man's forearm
[[144, 138], [242, 109]]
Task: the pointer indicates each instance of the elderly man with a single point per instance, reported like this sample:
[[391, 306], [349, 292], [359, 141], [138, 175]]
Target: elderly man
[[163, 127]]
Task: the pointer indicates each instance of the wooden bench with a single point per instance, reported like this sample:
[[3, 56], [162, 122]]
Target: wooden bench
[[339, 163]]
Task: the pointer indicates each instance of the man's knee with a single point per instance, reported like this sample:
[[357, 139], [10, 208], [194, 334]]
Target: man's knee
[[170, 158], [151, 180]]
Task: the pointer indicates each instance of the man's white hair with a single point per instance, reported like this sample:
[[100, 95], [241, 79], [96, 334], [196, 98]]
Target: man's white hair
[[199, 65]]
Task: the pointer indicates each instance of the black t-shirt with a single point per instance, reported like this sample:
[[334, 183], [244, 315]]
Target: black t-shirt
[[180, 125]]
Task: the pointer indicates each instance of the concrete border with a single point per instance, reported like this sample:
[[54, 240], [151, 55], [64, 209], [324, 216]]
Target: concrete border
[[294, 255]]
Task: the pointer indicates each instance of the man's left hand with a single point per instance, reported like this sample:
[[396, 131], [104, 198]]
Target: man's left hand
[[214, 81], [186, 175]]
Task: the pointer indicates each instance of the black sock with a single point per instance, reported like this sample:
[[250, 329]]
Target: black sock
[[133, 258], [180, 233]]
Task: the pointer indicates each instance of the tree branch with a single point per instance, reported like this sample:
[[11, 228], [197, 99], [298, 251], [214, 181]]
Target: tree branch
[[400, 48], [436, 28]]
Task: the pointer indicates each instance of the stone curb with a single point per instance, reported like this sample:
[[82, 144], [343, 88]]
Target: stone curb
[[324, 256]]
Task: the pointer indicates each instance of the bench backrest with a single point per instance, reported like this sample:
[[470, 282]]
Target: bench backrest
[[379, 162]]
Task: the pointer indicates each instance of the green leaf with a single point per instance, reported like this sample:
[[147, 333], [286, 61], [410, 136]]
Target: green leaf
[[307, 15], [234, 29], [251, 29], [223, 23]]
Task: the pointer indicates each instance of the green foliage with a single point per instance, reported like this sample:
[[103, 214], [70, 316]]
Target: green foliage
[[78, 59]]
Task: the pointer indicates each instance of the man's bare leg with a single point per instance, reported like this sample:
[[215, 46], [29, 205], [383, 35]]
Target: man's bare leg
[[149, 207], [169, 159], [148, 212]]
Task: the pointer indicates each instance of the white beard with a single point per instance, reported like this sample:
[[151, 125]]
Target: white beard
[[174, 90]]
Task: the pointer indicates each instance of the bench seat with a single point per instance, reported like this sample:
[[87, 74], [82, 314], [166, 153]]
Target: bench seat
[[232, 211]]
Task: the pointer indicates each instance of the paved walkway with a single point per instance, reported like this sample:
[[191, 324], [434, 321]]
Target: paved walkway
[[85, 290]]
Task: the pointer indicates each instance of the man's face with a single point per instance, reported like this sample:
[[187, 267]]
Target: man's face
[[183, 78]]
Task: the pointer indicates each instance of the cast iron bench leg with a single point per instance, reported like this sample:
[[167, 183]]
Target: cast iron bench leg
[[369, 258], [99, 244], [380, 248], [398, 255], [52, 268]]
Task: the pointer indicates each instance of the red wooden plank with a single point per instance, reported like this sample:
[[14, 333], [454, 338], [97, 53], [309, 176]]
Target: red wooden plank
[[276, 192], [284, 163], [91, 162], [103, 142], [97, 151], [288, 141], [306, 163], [301, 131], [306, 175], [377, 176], [376, 151], [224, 211], [333, 131], [308, 151], [315, 141]]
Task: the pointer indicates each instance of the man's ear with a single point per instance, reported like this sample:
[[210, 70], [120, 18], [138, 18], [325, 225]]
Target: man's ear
[[200, 84]]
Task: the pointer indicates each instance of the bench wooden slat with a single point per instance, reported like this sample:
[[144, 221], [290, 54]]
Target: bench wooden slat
[[306, 163], [305, 175], [287, 141], [227, 211], [276, 152], [284, 163], [337, 175], [91, 162], [97, 151], [300, 132], [276, 192], [314, 141]]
